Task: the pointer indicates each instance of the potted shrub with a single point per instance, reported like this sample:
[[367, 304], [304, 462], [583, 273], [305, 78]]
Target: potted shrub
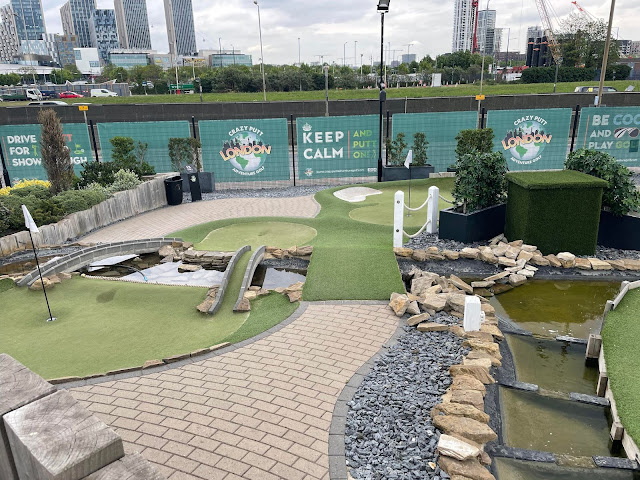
[[397, 154], [185, 152], [479, 192], [620, 216]]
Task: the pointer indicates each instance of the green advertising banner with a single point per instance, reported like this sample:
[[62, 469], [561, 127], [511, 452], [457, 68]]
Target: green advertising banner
[[330, 147], [155, 134], [613, 130], [532, 139], [245, 150], [21, 147], [441, 130]]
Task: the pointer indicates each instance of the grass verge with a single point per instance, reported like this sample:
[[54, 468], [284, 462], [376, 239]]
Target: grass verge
[[620, 340]]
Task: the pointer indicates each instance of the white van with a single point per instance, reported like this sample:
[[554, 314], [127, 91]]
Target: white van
[[102, 92]]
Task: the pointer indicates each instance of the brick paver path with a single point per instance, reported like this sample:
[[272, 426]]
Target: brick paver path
[[260, 412], [160, 222]]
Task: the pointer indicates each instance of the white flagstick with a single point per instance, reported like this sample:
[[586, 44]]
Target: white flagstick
[[33, 228], [407, 164]]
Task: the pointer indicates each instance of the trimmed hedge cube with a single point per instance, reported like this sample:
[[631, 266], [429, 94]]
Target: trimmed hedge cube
[[557, 211]]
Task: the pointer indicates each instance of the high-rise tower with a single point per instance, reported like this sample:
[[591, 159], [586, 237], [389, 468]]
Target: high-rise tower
[[133, 24], [180, 27]]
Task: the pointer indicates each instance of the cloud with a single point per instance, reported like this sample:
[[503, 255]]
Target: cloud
[[324, 26]]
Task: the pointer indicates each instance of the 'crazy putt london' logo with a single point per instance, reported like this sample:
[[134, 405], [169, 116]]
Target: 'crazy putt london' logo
[[245, 150], [527, 140]]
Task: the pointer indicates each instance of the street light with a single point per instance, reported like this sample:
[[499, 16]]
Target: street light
[[175, 45], [484, 50], [383, 7], [605, 57], [264, 83], [26, 39]]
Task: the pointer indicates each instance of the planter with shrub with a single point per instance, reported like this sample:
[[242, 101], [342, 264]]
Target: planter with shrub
[[396, 156], [620, 217], [479, 190]]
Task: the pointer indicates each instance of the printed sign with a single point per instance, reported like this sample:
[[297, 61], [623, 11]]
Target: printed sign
[[613, 130], [245, 150], [155, 134], [332, 147], [21, 147], [441, 130], [530, 139]]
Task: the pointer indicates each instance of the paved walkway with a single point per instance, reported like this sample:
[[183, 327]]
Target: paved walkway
[[260, 412], [160, 222]]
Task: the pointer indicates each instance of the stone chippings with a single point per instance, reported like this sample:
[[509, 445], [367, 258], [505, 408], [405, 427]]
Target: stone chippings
[[389, 433], [288, 192]]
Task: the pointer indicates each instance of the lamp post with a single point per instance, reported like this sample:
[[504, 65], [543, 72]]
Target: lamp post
[[299, 64], [264, 83], [344, 54], [175, 45], [355, 54], [605, 57], [484, 49], [26, 39], [220, 50], [383, 7]]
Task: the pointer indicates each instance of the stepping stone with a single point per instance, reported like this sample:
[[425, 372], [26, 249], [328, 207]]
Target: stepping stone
[[19, 386], [55, 438]]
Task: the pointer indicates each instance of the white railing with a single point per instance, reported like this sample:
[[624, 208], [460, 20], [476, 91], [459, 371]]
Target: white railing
[[399, 207]]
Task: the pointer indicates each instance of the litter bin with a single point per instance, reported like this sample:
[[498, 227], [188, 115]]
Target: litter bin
[[194, 183], [173, 187]]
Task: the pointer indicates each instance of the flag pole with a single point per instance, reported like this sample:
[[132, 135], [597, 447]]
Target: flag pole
[[35, 254], [409, 211]]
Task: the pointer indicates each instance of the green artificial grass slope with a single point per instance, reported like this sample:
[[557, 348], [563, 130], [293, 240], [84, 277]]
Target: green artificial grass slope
[[555, 180], [620, 339], [232, 237], [352, 260], [92, 335]]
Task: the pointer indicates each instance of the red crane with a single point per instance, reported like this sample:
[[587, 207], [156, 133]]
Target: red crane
[[474, 9]]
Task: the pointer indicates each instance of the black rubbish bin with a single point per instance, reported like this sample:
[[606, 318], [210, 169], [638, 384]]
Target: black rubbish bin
[[173, 187]]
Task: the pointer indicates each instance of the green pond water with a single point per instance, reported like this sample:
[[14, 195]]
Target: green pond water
[[508, 469], [549, 308], [552, 365], [535, 422]]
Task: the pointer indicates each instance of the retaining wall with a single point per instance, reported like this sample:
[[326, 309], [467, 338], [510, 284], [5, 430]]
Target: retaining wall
[[147, 196]]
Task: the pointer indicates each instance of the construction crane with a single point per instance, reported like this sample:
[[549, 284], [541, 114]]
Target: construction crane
[[548, 30], [474, 11], [584, 12]]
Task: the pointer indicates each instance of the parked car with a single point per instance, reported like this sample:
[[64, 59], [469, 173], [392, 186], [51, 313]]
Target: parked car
[[24, 94], [49, 102], [46, 94], [594, 89], [70, 95], [102, 92]]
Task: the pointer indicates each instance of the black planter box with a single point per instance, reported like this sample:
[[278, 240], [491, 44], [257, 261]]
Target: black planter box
[[207, 182], [389, 174], [472, 227], [619, 232]]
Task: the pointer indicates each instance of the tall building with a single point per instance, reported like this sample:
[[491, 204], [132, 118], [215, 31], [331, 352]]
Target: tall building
[[497, 40], [65, 45], [104, 34], [9, 43], [408, 57], [76, 15], [133, 24], [225, 58], [486, 31], [635, 48], [29, 19], [463, 25], [180, 28]]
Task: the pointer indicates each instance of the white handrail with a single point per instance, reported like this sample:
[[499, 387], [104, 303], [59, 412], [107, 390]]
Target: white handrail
[[398, 215]]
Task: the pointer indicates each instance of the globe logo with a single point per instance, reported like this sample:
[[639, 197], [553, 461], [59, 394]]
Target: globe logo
[[526, 142], [246, 153]]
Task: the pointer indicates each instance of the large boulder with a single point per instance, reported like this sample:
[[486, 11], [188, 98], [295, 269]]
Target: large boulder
[[434, 302], [456, 302], [567, 260], [475, 371], [471, 253], [452, 447], [462, 285], [471, 469], [459, 410], [466, 427], [467, 382], [399, 304]]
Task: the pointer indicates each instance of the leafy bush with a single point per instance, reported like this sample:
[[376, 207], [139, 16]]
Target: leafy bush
[[474, 141], [395, 149], [97, 172], [621, 196], [24, 183], [43, 211], [480, 180], [54, 151], [71, 201], [183, 152], [420, 149], [124, 180], [122, 151], [96, 193], [38, 191]]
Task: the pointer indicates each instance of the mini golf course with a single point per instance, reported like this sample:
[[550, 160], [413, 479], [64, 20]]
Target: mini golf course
[[108, 325]]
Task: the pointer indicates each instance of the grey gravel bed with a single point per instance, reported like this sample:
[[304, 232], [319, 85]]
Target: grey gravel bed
[[287, 192], [26, 255], [389, 434], [425, 240]]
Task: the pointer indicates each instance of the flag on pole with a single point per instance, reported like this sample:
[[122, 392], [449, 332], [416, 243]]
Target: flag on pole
[[28, 220], [409, 159]]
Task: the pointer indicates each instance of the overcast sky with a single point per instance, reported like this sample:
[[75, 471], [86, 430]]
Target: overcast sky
[[325, 25]]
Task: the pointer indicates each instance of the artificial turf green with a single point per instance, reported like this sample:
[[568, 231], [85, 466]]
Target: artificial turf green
[[6, 284], [352, 260], [279, 234], [620, 341]]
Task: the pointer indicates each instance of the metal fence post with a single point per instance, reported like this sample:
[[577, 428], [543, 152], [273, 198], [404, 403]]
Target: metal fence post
[[93, 139], [293, 151], [574, 130]]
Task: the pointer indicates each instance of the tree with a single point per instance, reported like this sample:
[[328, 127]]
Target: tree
[[122, 152], [419, 149], [9, 79], [183, 152], [61, 76], [73, 70], [582, 42], [54, 152]]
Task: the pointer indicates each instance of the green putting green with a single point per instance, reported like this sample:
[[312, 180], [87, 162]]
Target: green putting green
[[277, 234], [620, 341], [352, 260]]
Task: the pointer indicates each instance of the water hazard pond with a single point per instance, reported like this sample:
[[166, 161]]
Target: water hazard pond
[[550, 308]]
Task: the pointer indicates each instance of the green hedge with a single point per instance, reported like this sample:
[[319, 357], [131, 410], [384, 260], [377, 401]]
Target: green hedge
[[557, 211]]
